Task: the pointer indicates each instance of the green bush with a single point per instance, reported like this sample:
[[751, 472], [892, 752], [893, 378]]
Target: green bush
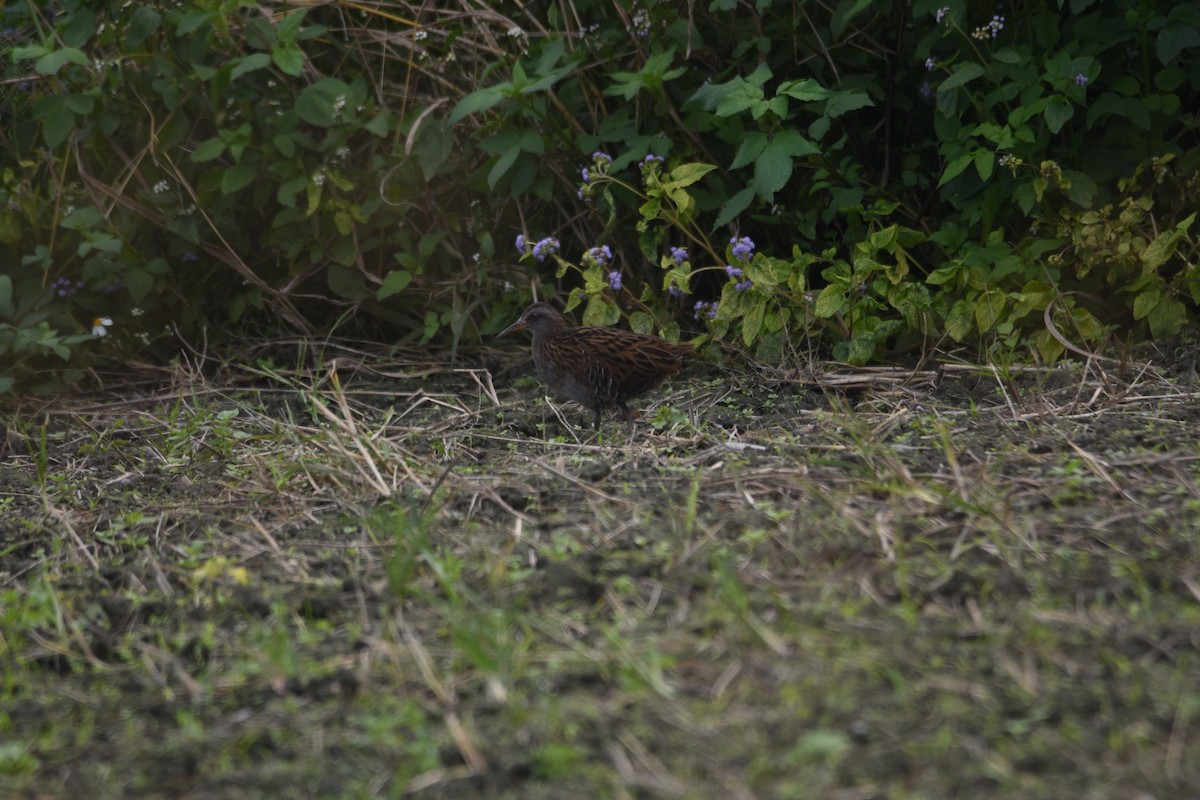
[[859, 178]]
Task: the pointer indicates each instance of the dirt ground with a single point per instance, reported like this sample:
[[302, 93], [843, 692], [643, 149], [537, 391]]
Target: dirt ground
[[402, 578]]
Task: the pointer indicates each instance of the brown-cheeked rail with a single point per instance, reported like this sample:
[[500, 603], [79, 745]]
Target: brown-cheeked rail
[[598, 368]]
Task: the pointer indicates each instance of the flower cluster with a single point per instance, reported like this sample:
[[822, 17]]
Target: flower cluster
[[679, 254], [991, 30], [1081, 80], [600, 164], [703, 310], [941, 13], [675, 291], [639, 22], [540, 250], [614, 280], [598, 256], [742, 248], [65, 287]]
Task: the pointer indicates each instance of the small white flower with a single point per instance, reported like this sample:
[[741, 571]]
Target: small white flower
[[100, 326], [162, 186], [342, 152], [515, 32], [421, 36], [318, 178], [271, 83], [137, 312], [339, 103]]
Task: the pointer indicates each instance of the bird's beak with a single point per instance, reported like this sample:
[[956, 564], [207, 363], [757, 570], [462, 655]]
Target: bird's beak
[[516, 326]]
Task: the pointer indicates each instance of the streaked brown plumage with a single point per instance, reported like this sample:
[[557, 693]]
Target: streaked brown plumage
[[598, 368]]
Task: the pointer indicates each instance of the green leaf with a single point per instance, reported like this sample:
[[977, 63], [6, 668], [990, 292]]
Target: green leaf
[[772, 170], [250, 63], [502, 166], [346, 282], [806, 90], [1058, 112], [742, 96], [237, 177], [752, 323], [1167, 318], [58, 123], [476, 102], [208, 150], [751, 147], [289, 59], [1159, 251], [6, 291], [139, 282], [955, 168], [395, 282], [734, 206], [844, 101], [985, 161], [831, 301], [988, 309], [52, 62], [963, 74], [687, 174]]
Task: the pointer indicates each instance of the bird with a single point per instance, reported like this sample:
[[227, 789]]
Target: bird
[[598, 368]]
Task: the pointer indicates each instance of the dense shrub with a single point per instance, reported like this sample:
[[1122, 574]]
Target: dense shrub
[[857, 178]]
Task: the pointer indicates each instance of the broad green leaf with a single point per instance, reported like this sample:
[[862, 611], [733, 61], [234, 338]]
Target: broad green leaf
[[772, 170], [955, 168], [1166, 318], [208, 150], [289, 59], [963, 74], [237, 177], [395, 282], [250, 63], [1058, 113], [687, 174], [475, 102], [139, 283], [53, 61]]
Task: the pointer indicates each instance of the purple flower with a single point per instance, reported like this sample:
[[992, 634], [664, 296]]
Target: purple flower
[[586, 175], [926, 90], [521, 243], [942, 12], [1081, 80], [546, 247], [930, 63], [742, 248], [651, 159], [742, 286], [600, 256], [614, 280], [705, 310], [680, 254], [732, 271], [674, 291], [600, 155]]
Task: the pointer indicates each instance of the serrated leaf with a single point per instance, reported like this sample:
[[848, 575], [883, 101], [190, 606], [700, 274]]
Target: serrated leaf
[[687, 174], [752, 324]]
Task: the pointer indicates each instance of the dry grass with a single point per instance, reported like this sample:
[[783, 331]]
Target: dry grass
[[373, 577]]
